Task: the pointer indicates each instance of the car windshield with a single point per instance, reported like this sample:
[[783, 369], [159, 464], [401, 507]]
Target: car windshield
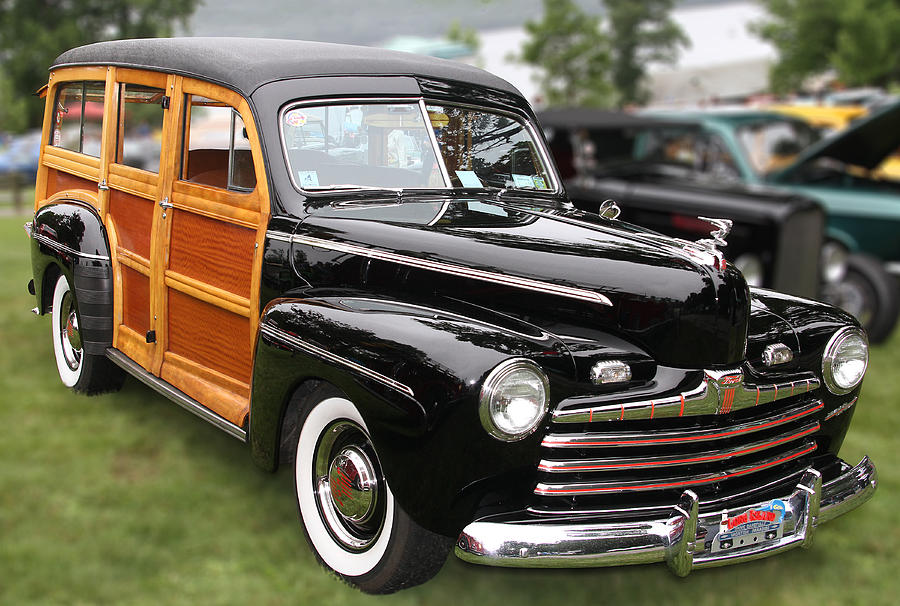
[[392, 145], [771, 145]]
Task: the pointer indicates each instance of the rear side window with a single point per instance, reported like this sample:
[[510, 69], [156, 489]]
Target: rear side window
[[140, 126], [217, 150], [78, 124]]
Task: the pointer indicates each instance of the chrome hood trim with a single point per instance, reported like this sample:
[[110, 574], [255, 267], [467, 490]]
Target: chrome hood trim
[[719, 392]]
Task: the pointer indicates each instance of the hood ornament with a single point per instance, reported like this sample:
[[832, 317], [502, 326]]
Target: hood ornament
[[718, 235], [705, 250]]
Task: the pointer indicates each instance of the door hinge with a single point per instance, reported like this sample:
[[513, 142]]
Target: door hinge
[[151, 336], [102, 185], [165, 102]]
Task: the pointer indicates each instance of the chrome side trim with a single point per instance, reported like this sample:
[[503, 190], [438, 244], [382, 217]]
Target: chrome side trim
[[446, 268], [660, 438], [669, 483], [685, 539], [174, 394], [63, 248], [841, 409], [651, 462], [290, 340], [719, 392]]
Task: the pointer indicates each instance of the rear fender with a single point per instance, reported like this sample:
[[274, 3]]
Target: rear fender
[[68, 238]]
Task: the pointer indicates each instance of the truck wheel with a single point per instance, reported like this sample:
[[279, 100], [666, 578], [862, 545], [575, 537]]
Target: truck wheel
[[870, 294], [349, 515], [83, 372]]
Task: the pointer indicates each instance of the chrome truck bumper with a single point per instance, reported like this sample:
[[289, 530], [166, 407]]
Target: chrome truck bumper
[[684, 540]]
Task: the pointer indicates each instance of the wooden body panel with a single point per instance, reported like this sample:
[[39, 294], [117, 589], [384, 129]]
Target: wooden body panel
[[215, 252], [133, 218], [189, 273]]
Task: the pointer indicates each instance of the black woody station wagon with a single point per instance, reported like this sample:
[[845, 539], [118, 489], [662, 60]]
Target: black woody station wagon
[[363, 264]]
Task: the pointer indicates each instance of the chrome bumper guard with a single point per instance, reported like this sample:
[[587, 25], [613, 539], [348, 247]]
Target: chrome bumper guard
[[684, 540]]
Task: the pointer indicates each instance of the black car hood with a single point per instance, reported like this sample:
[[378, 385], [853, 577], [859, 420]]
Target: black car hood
[[674, 306], [867, 143]]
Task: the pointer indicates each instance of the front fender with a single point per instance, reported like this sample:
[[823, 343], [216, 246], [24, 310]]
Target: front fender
[[414, 371]]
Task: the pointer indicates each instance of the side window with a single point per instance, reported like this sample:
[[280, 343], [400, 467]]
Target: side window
[[140, 126], [216, 150], [78, 124]]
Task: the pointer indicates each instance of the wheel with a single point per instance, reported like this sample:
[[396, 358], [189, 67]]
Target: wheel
[[870, 294], [350, 517], [82, 371]]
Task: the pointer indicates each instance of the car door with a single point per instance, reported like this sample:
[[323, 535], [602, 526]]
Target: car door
[[137, 182], [211, 230]]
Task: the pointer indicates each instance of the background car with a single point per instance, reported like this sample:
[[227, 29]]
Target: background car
[[662, 172], [863, 213]]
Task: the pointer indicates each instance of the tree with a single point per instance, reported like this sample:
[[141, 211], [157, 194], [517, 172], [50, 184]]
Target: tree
[[34, 32], [856, 38], [592, 61], [640, 32], [573, 54]]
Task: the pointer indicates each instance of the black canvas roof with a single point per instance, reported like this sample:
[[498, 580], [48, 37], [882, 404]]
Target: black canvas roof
[[244, 64]]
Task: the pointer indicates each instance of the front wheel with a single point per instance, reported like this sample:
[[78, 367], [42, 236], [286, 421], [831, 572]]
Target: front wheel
[[870, 294], [351, 519]]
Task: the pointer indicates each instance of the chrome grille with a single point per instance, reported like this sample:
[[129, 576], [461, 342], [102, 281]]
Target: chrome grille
[[642, 461]]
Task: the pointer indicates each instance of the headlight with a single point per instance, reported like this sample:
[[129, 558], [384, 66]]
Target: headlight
[[845, 360], [833, 259], [513, 399], [751, 267]]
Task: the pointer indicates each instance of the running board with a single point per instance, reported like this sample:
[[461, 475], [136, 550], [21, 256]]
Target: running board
[[176, 395]]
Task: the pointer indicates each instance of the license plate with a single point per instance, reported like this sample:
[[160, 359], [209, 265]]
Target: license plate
[[755, 526]]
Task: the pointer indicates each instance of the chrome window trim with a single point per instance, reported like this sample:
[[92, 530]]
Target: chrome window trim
[[286, 338], [445, 174], [526, 121], [456, 270], [422, 101], [412, 100]]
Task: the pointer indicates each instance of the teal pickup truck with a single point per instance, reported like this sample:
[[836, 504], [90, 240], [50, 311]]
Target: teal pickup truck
[[760, 147]]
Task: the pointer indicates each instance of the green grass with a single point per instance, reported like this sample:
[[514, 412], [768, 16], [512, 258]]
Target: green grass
[[127, 499]]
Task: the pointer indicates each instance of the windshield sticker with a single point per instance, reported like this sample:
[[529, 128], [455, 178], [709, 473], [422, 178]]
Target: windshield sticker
[[468, 178], [754, 526], [539, 182], [307, 178], [522, 181], [295, 117], [489, 209]]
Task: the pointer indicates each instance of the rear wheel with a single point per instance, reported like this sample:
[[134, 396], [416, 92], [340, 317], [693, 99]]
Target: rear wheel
[[82, 371], [351, 519], [870, 294]]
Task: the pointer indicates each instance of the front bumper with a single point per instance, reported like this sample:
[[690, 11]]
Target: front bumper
[[684, 540]]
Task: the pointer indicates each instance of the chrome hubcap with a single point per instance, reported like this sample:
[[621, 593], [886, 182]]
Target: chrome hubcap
[[351, 481], [346, 484], [69, 333]]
